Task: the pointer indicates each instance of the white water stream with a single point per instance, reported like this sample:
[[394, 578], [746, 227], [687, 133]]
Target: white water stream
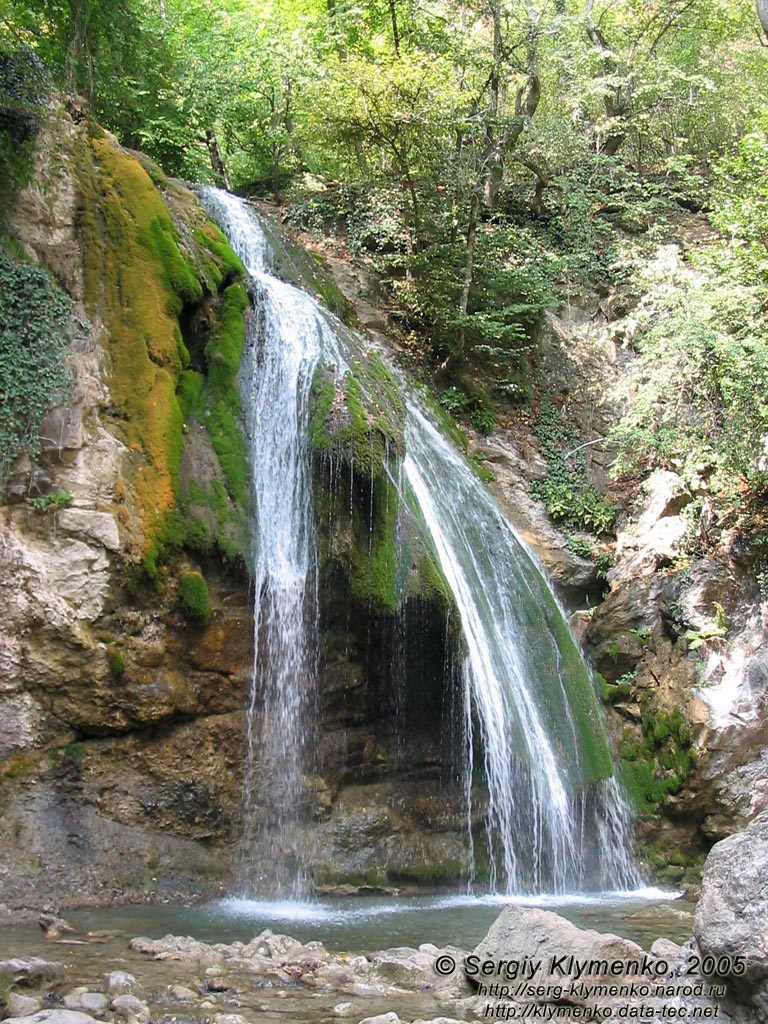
[[554, 822]]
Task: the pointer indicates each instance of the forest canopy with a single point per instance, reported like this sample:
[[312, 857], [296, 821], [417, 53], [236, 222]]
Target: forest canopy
[[488, 155]]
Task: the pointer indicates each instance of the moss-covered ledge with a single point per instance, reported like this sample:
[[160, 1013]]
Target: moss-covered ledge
[[166, 286]]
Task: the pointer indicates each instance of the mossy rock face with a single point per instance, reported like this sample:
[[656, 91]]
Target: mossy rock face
[[193, 599], [358, 416], [656, 763], [357, 427], [151, 261]]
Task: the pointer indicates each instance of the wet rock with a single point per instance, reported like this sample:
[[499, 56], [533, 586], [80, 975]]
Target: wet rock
[[382, 1018], [119, 983], [131, 1009], [32, 970], [730, 920], [344, 1010], [88, 1002], [54, 927], [228, 1018]]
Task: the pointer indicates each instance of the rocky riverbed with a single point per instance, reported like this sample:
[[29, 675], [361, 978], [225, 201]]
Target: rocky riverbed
[[532, 964]]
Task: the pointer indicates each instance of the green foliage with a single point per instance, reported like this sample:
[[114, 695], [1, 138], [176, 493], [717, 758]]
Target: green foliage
[[193, 598], [34, 337], [50, 502], [24, 87], [567, 494], [712, 631], [660, 762], [579, 547]]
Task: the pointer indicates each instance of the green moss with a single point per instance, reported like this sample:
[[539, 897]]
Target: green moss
[[117, 664], [374, 559], [441, 872], [359, 416], [188, 391], [193, 598], [140, 278], [226, 265], [359, 420], [432, 585], [657, 763], [223, 413], [70, 756]]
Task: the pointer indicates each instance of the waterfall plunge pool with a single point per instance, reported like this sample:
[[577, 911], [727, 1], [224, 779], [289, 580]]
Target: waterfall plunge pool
[[365, 923]]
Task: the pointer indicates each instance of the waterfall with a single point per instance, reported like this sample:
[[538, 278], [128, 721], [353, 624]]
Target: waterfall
[[555, 818]]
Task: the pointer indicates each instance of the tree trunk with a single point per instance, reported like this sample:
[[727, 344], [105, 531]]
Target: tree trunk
[[469, 276], [395, 30], [762, 13], [217, 161]]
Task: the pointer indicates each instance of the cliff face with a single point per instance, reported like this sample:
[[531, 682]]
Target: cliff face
[[126, 647], [121, 720]]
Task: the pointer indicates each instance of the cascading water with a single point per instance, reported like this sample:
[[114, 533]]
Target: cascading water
[[555, 819]]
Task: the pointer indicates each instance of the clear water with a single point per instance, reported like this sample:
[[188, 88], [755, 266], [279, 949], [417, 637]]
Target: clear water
[[554, 822], [357, 924]]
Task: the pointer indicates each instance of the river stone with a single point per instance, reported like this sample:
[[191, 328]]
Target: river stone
[[344, 1010], [32, 970], [54, 927], [182, 993], [732, 915], [120, 983], [131, 1009], [19, 1005], [540, 935], [54, 1016], [382, 1018], [88, 1002]]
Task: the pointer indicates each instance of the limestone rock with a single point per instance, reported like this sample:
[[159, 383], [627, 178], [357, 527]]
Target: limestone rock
[[88, 1002], [19, 1005], [32, 970], [521, 932], [131, 1009], [98, 527], [119, 983], [54, 1015], [731, 919]]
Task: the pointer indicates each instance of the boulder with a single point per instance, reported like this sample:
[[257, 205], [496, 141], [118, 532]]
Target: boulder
[[88, 1002], [731, 919], [19, 1005], [523, 937], [130, 1008], [32, 970], [121, 983]]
